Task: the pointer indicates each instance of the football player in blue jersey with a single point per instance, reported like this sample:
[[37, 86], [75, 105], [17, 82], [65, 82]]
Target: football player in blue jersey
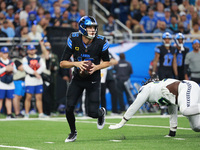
[[85, 45], [181, 52]]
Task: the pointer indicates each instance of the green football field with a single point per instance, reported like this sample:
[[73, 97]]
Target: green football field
[[140, 133]]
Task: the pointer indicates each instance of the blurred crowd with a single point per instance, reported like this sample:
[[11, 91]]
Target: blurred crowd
[[30, 18], [154, 16]]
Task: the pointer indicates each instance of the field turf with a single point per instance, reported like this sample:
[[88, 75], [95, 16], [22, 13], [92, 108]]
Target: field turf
[[140, 133]]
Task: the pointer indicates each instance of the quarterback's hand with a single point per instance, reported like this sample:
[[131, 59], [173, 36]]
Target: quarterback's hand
[[93, 68], [116, 126]]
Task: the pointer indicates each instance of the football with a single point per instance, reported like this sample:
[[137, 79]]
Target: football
[[85, 73]]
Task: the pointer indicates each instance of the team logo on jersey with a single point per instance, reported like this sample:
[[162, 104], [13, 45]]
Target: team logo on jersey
[[77, 48]]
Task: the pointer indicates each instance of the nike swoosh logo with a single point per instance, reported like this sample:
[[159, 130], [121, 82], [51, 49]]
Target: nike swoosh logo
[[94, 82]]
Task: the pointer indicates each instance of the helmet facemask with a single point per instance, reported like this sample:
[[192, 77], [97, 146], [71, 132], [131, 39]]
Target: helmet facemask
[[179, 40], [91, 33], [166, 35]]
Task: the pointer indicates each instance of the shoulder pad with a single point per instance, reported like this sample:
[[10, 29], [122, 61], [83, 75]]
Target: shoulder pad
[[100, 37], [75, 34]]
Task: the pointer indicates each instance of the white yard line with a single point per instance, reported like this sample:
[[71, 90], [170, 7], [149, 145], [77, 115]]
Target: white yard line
[[84, 120], [17, 147]]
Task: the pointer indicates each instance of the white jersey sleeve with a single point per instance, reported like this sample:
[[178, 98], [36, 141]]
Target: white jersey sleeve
[[142, 97]]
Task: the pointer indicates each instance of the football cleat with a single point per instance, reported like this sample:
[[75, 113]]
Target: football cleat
[[72, 137], [116, 126], [101, 120]]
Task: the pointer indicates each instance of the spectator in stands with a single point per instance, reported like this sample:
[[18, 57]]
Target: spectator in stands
[[110, 27], [195, 19], [57, 23], [56, 15], [40, 14], [33, 66], [47, 16], [16, 21], [10, 13], [34, 35], [73, 13], [197, 6], [46, 4], [167, 18], [34, 5], [19, 6], [167, 3], [162, 28], [134, 8], [195, 31], [173, 25], [65, 21], [55, 4], [191, 11], [23, 23], [74, 25], [41, 26], [108, 4], [151, 5], [24, 14], [192, 61], [7, 68], [148, 23], [180, 54], [2, 18], [24, 34], [50, 78], [8, 30], [3, 7], [181, 28], [134, 22], [183, 19], [174, 10], [64, 5], [159, 14], [2, 34], [123, 72], [82, 12], [184, 6]]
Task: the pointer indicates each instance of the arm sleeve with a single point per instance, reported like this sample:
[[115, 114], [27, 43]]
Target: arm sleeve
[[141, 98], [26, 67], [17, 63], [173, 119], [68, 50], [105, 52], [42, 66]]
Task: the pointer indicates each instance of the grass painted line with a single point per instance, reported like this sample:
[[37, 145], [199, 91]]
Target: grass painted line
[[86, 118], [17, 147], [136, 125]]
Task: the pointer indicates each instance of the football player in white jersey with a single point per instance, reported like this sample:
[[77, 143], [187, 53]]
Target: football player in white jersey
[[174, 93]]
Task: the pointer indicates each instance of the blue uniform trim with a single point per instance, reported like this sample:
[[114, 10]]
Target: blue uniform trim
[[69, 43], [105, 46]]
